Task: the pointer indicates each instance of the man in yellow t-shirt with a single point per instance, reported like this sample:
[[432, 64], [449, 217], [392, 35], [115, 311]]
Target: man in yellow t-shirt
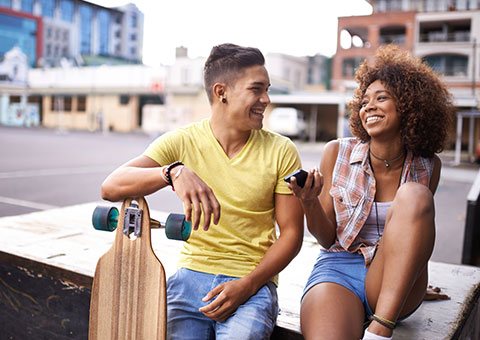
[[229, 173]]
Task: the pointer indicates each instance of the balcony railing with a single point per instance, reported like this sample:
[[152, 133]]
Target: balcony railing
[[392, 39], [459, 36]]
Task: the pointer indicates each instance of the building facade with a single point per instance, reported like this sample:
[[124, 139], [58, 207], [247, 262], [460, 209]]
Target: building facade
[[49, 31], [108, 97], [445, 33]]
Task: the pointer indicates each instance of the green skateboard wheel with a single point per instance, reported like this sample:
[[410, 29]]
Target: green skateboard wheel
[[177, 228], [105, 218]]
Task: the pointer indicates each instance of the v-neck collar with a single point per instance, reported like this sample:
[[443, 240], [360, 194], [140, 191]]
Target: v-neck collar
[[219, 148]]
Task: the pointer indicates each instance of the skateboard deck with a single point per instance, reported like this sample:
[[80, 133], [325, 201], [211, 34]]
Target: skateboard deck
[[128, 298]]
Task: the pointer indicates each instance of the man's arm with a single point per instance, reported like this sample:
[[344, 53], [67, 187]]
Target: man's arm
[[230, 295], [143, 176], [140, 176]]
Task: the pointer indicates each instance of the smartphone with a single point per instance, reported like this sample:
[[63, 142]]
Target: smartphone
[[300, 176]]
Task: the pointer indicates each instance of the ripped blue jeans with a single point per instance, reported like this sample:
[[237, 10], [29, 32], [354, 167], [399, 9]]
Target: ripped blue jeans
[[254, 319]]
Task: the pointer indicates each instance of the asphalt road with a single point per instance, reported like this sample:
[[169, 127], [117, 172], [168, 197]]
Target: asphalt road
[[42, 169]]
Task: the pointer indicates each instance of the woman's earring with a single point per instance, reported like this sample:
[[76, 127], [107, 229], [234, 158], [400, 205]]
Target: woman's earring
[[224, 100]]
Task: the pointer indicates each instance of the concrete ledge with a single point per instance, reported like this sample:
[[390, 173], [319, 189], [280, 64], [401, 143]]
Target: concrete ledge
[[60, 249], [457, 318]]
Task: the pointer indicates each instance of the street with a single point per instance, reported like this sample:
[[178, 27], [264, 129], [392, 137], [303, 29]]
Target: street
[[42, 169]]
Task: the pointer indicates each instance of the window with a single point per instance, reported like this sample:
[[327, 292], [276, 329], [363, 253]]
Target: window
[[48, 7], [104, 25], [124, 99], [61, 103], [66, 7], [27, 6], [85, 29], [134, 20], [449, 64], [349, 66], [6, 3], [81, 103], [389, 5], [67, 103], [21, 32], [15, 99], [436, 5]]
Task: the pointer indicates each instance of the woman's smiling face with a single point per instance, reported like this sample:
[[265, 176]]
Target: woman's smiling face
[[378, 111]]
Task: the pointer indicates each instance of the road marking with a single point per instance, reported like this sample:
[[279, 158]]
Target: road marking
[[27, 204], [55, 172]]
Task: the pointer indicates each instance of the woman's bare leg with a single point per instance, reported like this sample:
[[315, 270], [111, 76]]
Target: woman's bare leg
[[398, 276], [330, 311]]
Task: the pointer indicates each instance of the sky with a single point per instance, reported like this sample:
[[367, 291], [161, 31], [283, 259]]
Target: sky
[[298, 28]]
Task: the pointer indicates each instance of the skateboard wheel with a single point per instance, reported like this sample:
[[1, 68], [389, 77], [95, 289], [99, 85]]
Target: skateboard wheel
[[105, 218], [177, 228]]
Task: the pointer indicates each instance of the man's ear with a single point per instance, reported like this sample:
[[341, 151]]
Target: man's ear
[[219, 90]]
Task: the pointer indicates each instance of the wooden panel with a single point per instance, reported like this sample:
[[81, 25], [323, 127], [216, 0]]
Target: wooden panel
[[128, 294], [38, 301]]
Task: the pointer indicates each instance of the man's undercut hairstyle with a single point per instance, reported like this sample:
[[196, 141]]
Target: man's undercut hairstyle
[[226, 62]]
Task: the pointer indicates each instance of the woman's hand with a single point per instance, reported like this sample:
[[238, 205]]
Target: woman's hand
[[312, 188]]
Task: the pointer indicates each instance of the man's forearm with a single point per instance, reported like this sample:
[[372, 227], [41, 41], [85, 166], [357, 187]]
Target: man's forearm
[[278, 256], [132, 181]]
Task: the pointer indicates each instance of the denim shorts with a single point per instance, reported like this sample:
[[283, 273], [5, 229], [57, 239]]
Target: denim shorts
[[254, 319], [343, 268]]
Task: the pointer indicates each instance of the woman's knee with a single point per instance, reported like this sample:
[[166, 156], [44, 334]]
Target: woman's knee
[[415, 198]]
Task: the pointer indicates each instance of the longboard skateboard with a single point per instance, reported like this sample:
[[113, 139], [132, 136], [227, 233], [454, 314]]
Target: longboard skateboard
[[128, 298]]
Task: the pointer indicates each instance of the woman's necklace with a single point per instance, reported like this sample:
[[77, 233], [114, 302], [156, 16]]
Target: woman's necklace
[[374, 200], [387, 162]]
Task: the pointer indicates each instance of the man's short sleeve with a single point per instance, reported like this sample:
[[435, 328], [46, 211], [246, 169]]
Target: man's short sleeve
[[289, 162]]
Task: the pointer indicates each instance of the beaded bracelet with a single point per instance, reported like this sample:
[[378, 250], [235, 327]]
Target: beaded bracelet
[[382, 321], [168, 170]]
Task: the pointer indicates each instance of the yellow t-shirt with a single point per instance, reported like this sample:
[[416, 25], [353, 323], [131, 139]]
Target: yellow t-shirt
[[244, 186]]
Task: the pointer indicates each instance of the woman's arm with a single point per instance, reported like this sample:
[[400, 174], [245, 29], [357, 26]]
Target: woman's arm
[[316, 200], [437, 166]]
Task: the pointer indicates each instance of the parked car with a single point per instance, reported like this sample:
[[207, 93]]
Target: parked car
[[288, 121]]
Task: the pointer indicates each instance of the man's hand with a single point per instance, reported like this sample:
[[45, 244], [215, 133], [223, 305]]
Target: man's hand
[[196, 195], [227, 297]]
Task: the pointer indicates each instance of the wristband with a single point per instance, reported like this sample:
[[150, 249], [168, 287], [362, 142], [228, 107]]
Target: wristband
[[178, 172], [162, 174], [168, 170], [382, 321]]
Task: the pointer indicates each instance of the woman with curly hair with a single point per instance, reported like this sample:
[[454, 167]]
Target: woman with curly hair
[[371, 204]]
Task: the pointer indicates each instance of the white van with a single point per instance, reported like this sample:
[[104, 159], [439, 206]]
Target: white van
[[288, 121]]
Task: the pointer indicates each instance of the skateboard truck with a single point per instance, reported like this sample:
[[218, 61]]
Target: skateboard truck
[[106, 219], [132, 221]]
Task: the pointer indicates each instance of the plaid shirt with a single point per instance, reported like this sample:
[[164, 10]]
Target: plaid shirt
[[353, 191]]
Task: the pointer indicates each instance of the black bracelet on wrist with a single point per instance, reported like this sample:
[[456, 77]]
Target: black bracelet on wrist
[[169, 169]]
